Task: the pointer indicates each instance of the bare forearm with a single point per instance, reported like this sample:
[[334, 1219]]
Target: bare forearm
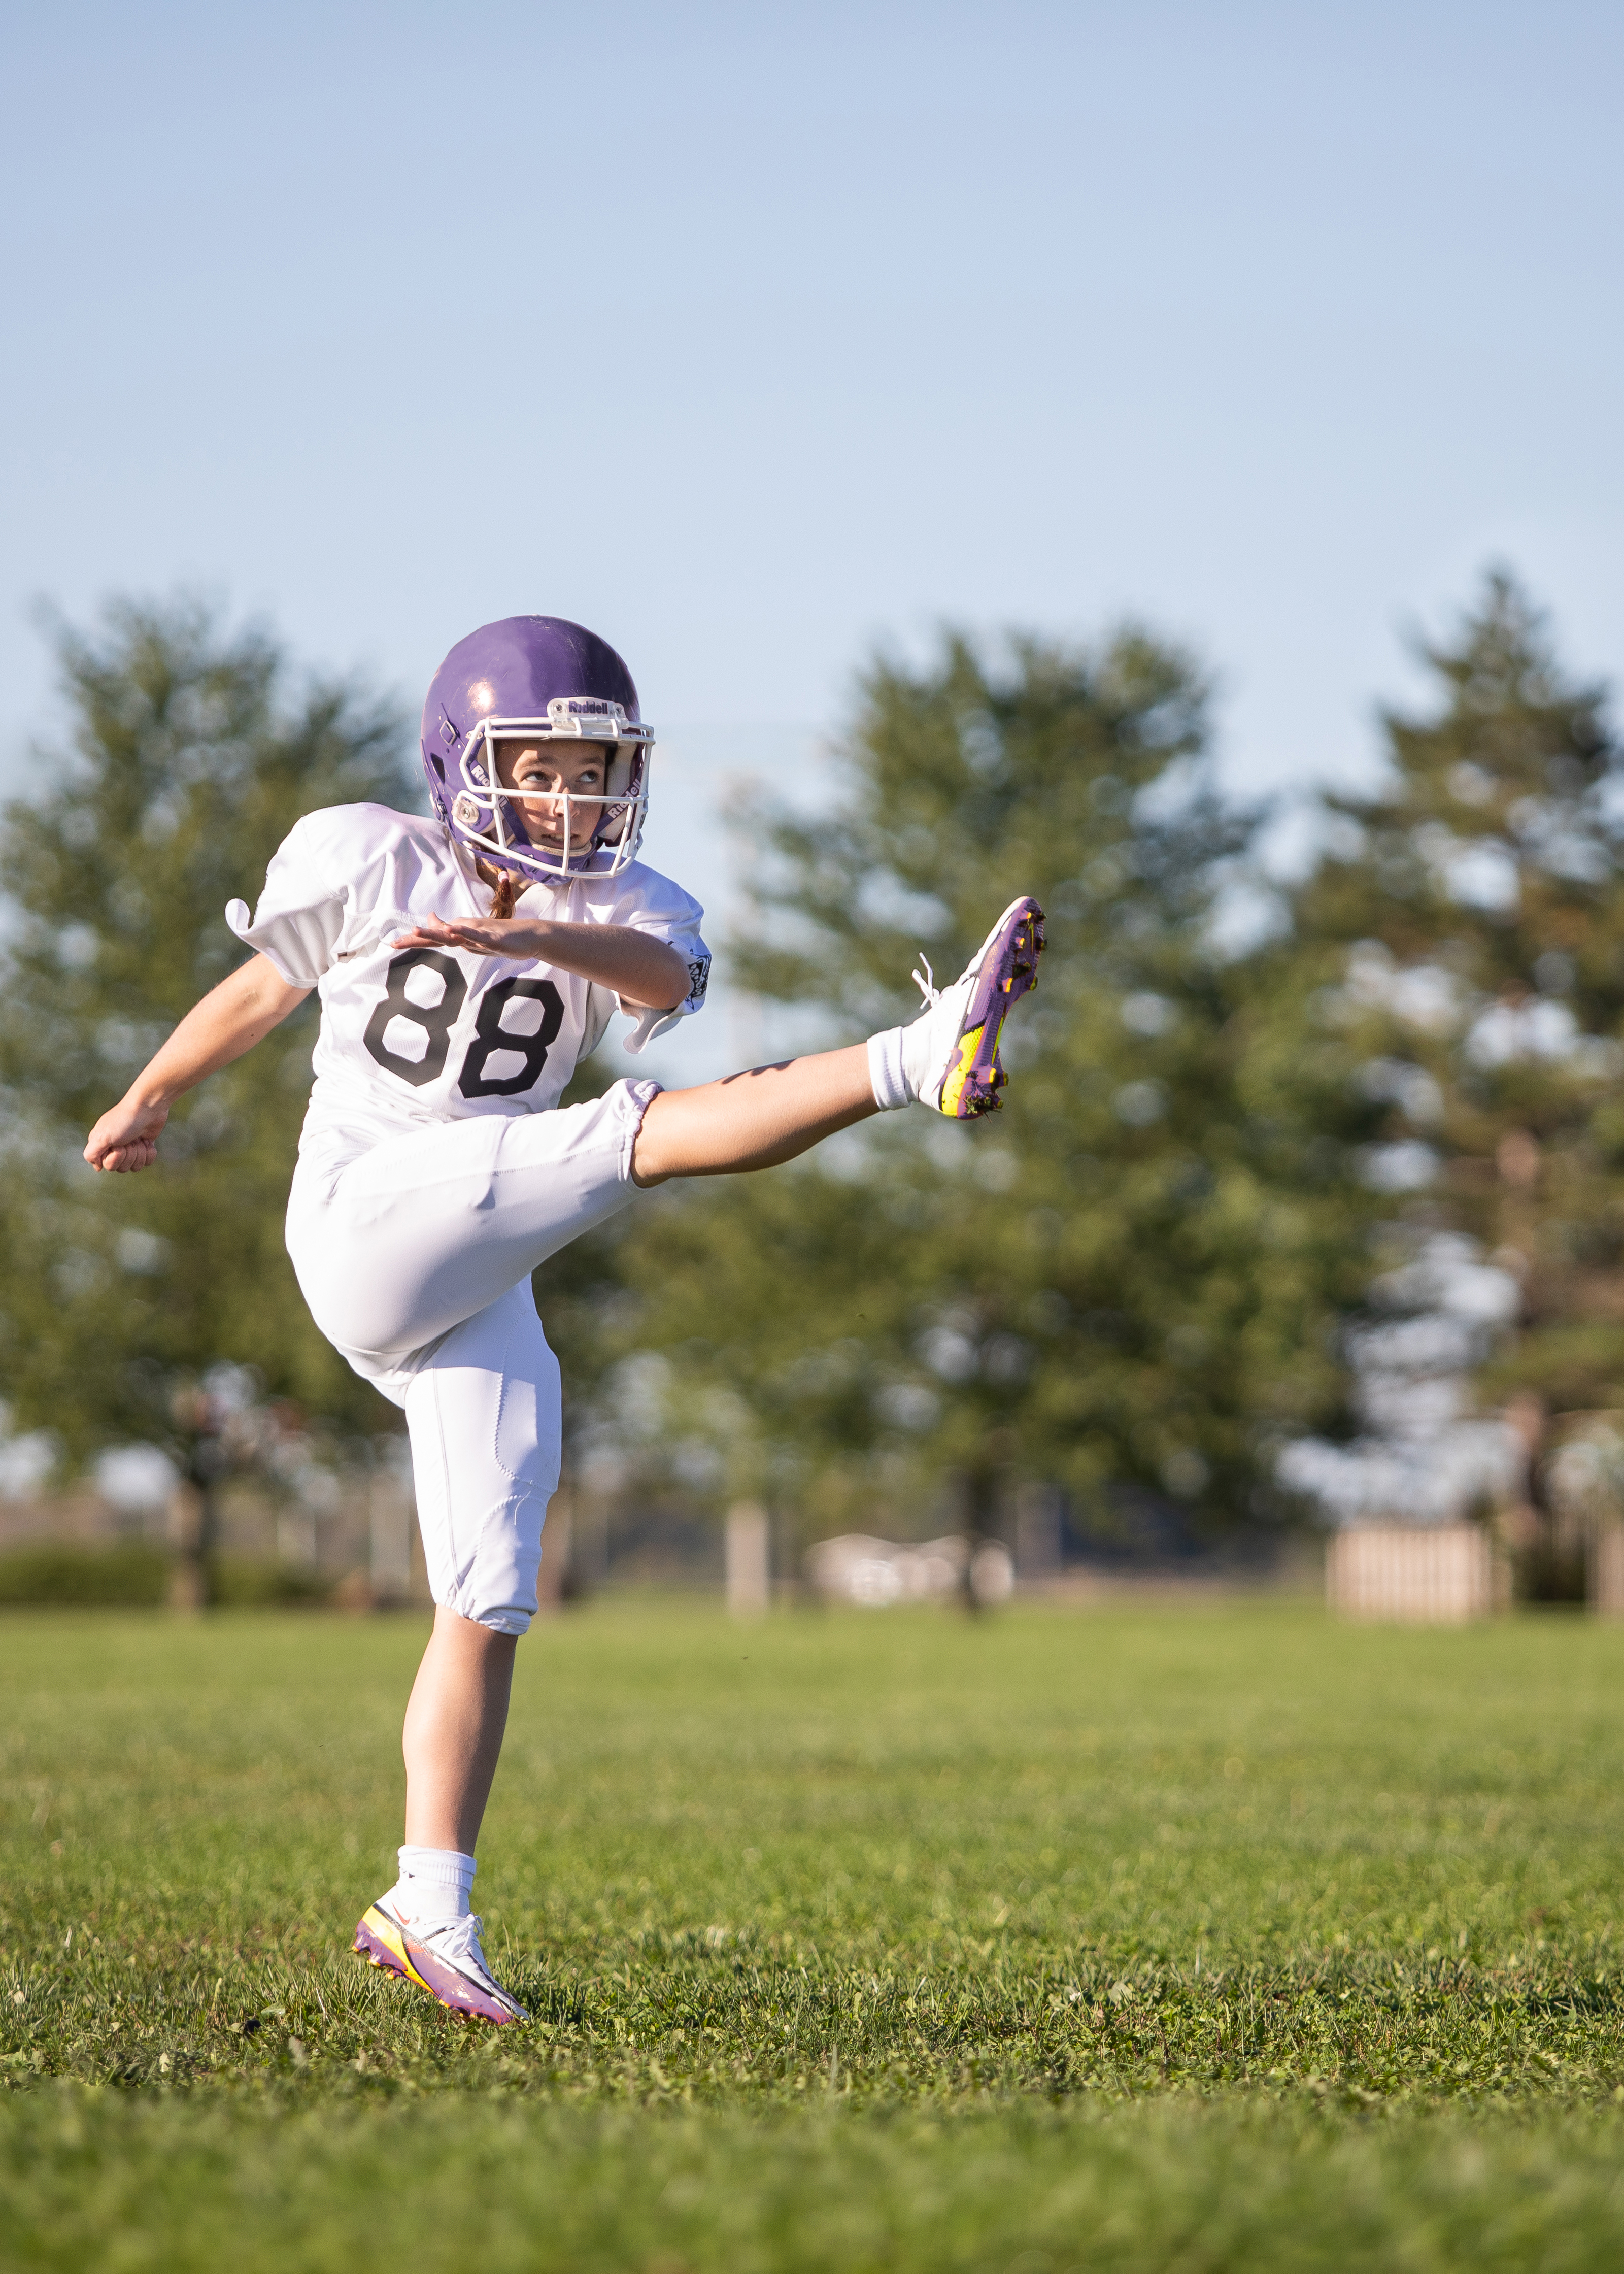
[[641, 971], [224, 1026]]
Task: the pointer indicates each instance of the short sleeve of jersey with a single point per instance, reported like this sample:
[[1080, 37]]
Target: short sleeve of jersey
[[300, 917], [652, 904], [322, 899]]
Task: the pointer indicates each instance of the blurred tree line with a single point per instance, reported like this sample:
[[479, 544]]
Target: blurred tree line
[[1131, 1284], [127, 1301]]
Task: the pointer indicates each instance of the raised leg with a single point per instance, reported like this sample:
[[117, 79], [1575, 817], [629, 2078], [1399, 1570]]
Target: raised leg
[[752, 1121], [454, 1721]]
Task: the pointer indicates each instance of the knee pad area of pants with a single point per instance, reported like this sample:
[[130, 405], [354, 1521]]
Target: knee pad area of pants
[[483, 1413], [395, 1245]]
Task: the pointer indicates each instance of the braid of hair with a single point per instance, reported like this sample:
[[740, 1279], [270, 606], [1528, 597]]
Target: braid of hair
[[502, 905]]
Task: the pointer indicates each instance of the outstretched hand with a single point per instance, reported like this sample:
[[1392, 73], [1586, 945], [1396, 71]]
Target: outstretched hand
[[516, 936], [126, 1138]]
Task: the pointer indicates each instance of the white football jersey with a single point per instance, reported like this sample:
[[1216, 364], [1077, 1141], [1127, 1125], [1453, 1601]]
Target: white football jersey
[[421, 1034]]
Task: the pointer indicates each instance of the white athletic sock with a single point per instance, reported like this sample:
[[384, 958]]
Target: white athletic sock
[[908, 1065], [435, 1884], [886, 1074]]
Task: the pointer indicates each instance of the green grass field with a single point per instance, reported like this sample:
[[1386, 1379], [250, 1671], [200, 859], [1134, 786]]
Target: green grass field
[[1133, 1939]]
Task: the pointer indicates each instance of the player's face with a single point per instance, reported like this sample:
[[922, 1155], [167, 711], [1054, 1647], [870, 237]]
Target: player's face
[[541, 775]]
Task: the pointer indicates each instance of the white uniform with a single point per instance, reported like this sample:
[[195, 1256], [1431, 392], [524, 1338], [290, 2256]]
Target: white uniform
[[432, 1176]]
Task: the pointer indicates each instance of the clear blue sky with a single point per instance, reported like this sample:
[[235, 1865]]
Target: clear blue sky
[[757, 334]]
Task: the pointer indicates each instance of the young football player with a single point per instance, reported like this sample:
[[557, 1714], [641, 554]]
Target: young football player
[[466, 962]]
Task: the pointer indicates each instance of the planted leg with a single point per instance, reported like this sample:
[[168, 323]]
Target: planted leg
[[453, 1730], [423, 1930]]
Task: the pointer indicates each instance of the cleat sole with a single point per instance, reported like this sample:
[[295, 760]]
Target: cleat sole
[[1010, 971]]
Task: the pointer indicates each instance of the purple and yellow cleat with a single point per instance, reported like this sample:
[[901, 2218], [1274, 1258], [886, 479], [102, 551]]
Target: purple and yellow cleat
[[958, 1032], [448, 1961]]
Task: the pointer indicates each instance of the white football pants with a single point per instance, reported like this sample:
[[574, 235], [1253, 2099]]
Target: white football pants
[[415, 1258]]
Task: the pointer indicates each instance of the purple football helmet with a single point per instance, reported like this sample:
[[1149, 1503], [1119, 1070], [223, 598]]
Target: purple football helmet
[[523, 682]]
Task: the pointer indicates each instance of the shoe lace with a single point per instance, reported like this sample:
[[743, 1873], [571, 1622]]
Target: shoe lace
[[461, 1939], [926, 983]]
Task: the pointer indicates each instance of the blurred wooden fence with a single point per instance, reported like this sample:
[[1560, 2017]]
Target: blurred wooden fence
[[1439, 1574]]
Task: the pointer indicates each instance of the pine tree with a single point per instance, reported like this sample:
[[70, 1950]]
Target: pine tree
[[189, 761], [1460, 944]]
